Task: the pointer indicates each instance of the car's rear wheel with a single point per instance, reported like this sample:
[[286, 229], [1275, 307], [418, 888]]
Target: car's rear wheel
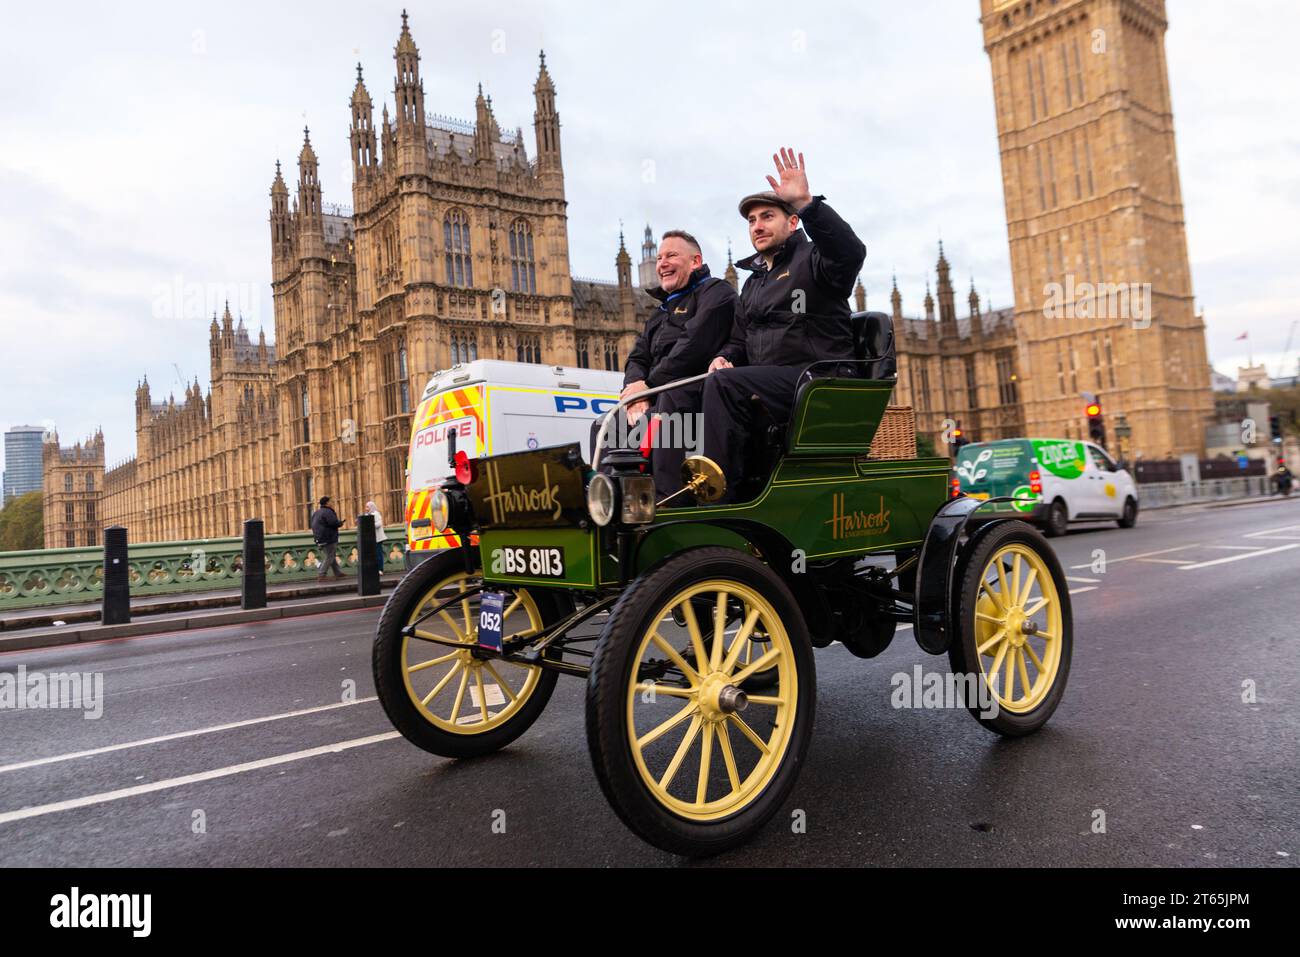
[[1014, 628], [453, 700], [1057, 522], [1129, 517], [687, 756]]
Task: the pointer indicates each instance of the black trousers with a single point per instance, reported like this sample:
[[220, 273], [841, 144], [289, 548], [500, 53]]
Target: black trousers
[[678, 434], [729, 412]]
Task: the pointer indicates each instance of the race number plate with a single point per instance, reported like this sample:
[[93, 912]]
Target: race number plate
[[489, 619], [529, 561]]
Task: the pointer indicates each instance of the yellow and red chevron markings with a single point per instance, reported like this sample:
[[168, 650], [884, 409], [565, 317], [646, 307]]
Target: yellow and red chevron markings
[[444, 407]]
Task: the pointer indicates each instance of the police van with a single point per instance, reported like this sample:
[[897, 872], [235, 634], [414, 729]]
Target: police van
[[488, 407], [1052, 482]]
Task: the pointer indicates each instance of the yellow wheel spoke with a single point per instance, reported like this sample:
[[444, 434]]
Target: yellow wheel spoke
[[759, 665], [729, 759], [997, 636], [446, 679], [499, 680], [1011, 677], [741, 642], [691, 674], [748, 732], [667, 726], [997, 660], [1015, 579], [1045, 635], [460, 694], [767, 699], [706, 758], [1024, 672], [482, 693], [1029, 586], [1038, 606], [464, 638], [519, 600], [668, 691], [991, 619], [719, 631], [1037, 661], [464, 607], [429, 664], [693, 629], [682, 750], [1003, 590]]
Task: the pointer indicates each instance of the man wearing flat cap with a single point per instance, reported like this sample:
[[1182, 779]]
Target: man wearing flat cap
[[793, 311]]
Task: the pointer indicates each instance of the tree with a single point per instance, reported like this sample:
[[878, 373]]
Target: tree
[[22, 524], [925, 446]]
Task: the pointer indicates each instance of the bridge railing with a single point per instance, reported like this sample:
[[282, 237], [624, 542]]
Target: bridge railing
[[65, 576]]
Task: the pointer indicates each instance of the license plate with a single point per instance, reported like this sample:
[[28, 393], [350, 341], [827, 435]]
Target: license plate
[[491, 607], [528, 561]]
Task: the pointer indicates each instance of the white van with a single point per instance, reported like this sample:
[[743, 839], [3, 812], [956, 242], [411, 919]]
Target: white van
[[1053, 481], [491, 407]]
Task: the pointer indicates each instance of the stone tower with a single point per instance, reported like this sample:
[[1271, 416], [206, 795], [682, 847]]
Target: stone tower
[[1095, 220], [646, 275]]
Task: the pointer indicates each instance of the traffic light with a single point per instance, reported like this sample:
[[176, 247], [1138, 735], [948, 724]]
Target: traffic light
[[1275, 427], [959, 438], [1096, 422]]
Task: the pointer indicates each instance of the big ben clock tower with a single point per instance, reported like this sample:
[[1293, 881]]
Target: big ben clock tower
[[1095, 220]]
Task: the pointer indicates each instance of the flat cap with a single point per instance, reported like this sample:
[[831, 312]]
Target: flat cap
[[765, 198]]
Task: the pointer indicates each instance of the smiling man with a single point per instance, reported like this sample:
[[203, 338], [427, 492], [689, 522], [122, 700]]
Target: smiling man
[[793, 312], [692, 324]]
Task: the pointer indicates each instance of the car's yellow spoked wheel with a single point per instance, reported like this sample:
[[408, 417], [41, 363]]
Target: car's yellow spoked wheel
[[453, 689], [690, 753], [679, 728], [1018, 628], [448, 699]]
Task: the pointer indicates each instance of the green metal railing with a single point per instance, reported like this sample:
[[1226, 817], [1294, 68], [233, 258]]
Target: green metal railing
[[65, 576]]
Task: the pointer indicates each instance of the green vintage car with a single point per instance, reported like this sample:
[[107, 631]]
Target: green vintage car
[[694, 625]]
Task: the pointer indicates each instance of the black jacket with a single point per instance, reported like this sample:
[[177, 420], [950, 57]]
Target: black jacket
[[325, 525], [798, 312], [686, 332]]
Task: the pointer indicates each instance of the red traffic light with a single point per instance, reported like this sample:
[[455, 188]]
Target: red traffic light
[[956, 433], [1093, 409]]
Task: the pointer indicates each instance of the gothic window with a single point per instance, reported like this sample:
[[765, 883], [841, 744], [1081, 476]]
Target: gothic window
[[611, 355], [92, 538], [523, 268], [70, 540], [1078, 70], [1110, 362], [305, 400], [67, 513], [1008, 394], [464, 348], [396, 391], [1051, 172], [455, 238], [1033, 105], [67, 482], [1078, 179], [972, 388], [529, 349], [396, 467], [1065, 76], [584, 354], [90, 481], [90, 511], [923, 390]]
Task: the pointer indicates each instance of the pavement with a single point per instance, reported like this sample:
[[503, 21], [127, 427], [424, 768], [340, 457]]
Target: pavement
[[1177, 743]]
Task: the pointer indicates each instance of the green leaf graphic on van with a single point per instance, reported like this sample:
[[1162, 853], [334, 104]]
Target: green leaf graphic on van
[[1063, 459], [971, 470]]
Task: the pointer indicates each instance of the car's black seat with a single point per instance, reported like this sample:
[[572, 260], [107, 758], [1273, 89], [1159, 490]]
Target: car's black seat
[[873, 340]]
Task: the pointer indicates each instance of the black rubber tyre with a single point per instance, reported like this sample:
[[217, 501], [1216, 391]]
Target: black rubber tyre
[[388, 667], [608, 710], [1129, 517], [1057, 522], [963, 655]]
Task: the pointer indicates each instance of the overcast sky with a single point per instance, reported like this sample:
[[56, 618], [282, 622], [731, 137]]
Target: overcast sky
[[140, 141]]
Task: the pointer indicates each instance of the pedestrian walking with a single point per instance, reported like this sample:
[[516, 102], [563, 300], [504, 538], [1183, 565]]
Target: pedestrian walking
[[325, 524], [380, 535]]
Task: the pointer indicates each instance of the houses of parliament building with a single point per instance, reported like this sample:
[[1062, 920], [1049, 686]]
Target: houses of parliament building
[[456, 247]]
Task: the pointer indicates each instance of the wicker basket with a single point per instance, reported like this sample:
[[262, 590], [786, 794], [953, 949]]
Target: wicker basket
[[896, 437]]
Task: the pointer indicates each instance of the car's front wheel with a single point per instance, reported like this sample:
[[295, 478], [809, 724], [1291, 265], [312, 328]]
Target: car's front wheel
[[1129, 517], [689, 757]]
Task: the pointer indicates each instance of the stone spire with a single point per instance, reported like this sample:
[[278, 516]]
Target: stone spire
[[860, 296], [546, 121], [730, 274]]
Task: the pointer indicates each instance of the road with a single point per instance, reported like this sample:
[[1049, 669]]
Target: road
[[263, 745]]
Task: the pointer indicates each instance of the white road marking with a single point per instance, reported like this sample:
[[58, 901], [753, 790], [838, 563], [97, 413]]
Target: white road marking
[[1238, 548], [106, 796], [1076, 578], [1129, 558], [1167, 561], [1267, 532], [1080, 591], [1237, 558], [54, 759]]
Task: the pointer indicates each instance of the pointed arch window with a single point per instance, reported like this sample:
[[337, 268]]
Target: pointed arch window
[[464, 347], [523, 268], [455, 238], [528, 349]]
